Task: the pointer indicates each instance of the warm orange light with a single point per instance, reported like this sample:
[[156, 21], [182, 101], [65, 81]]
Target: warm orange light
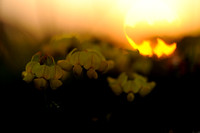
[[163, 49], [146, 48], [151, 18]]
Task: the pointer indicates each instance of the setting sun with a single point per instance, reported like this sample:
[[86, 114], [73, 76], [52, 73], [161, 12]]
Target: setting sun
[[147, 17]]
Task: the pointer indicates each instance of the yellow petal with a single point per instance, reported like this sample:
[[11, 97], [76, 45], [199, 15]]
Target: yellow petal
[[97, 53], [147, 89], [127, 87], [111, 80], [83, 58], [122, 79], [47, 74], [68, 58], [28, 77], [92, 73], [135, 87], [77, 69], [55, 83], [55, 72], [65, 65], [42, 71], [92, 61], [116, 88], [95, 61], [40, 83], [30, 66], [39, 70], [75, 58]]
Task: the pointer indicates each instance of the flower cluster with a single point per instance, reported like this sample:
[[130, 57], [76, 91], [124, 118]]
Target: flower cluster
[[42, 70], [88, 59], [138, 84]]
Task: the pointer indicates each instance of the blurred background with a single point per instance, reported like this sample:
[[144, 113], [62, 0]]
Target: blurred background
[[27, 26]]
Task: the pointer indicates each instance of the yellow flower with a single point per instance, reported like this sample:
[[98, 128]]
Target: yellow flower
[[138, 84], [91, 60], [43, 69]]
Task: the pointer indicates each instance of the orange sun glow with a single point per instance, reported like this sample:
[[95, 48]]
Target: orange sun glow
[[157, 15]]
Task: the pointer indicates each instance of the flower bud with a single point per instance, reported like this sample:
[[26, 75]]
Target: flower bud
[[130, 97], [28, 77], [55, 83], [147, 89], [116, 88], [40, 83], [92, 73], [77, 69]]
